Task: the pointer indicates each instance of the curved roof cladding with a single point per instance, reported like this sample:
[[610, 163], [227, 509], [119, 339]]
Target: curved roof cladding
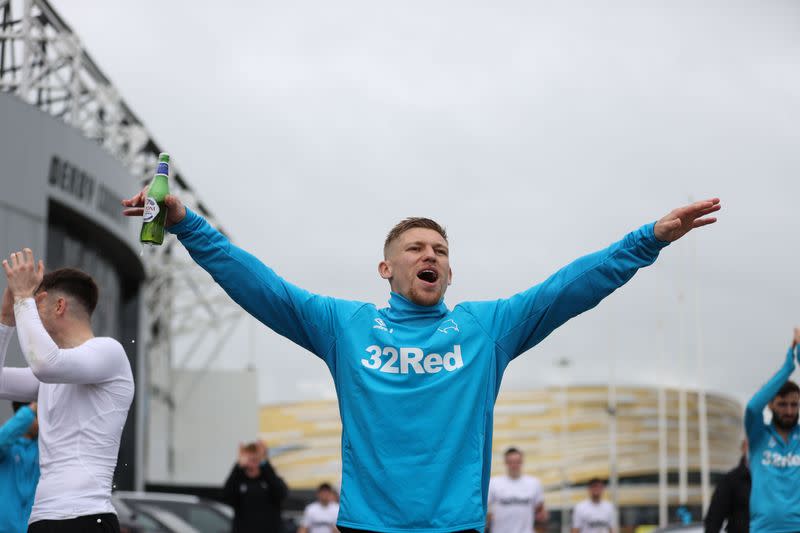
[[47, 161]]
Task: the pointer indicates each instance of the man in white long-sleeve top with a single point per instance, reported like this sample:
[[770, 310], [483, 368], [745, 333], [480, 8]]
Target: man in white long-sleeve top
[[84, 387]]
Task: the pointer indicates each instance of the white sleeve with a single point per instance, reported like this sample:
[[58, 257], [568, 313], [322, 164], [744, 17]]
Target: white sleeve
[[83, 365], [538, 496], [16, 384]]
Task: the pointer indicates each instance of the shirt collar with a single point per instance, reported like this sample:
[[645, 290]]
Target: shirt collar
[[401, 307]]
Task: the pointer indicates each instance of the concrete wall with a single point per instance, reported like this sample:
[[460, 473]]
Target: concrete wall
[[214, 412]]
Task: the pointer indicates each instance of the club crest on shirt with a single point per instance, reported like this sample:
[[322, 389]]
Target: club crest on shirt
[[448, 325], [772, 442]]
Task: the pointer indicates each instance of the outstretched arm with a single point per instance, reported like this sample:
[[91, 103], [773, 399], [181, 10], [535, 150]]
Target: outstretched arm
[[17, 384], [520, 322], [307, 319]]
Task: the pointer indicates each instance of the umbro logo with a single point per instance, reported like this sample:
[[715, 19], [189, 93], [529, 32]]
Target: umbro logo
[[448, 325]]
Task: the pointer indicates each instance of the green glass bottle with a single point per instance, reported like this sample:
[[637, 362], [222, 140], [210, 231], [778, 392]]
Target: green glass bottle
[[155, 208]]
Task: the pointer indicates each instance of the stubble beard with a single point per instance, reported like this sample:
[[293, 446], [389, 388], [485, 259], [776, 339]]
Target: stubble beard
[[786, 426], [425, 298]]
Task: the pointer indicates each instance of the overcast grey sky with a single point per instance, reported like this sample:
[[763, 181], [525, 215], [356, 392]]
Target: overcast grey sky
[[535, 131]]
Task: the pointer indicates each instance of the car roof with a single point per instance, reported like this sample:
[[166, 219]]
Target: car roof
[[160, 496]]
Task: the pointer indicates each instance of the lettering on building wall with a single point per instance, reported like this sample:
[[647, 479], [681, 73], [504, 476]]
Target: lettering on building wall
[[83, 186]]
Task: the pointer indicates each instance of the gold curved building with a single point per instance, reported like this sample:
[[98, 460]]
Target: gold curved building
[[305, 440]]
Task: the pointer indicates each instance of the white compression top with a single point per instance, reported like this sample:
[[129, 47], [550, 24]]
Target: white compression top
[[83, 396]]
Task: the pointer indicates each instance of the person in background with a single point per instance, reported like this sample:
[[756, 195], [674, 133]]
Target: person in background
[[516, 501], [320, 516], [731, 500], [775, 450], [594, 515], [255, 492], [19, 467]]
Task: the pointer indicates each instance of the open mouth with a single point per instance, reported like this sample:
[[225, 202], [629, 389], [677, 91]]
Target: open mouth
[[431, 276]]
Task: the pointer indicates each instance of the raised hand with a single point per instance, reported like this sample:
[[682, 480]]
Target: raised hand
[[796, 340], [682, 220], [23, 273], [7, 310], [135, 207]]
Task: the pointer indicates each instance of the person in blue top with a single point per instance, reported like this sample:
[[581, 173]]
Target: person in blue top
[[416, 381], [19, 467], [775, 451]]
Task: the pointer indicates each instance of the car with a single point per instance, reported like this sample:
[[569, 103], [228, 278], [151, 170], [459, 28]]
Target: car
[[205, 516], [146, 519], [166, 519]]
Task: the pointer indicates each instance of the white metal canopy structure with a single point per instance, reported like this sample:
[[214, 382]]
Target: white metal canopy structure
[[43, 62]]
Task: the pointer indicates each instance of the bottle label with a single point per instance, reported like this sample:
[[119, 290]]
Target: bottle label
[[150, 210]]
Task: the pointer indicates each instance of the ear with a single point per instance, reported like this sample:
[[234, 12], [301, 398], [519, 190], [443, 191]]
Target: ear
[[449, 276], [61, 306], [385, 269], [40, 297]]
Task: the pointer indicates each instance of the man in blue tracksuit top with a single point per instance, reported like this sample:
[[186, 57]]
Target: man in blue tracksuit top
[[19, 468], [416, 381], [775, 451]]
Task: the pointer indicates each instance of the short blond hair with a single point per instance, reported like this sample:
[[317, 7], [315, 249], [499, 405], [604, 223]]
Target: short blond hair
[[411, 223]]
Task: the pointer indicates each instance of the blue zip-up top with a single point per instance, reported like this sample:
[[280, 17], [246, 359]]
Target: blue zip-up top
[[774, 463], [19, 471], [416, 385]]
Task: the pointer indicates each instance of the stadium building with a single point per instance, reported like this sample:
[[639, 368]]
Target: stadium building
[[645, 441]]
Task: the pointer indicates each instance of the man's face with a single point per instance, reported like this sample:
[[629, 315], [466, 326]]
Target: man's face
[[785, 410], [252, 465], [325, 496], [596, 490], [417, 265], [514, 464]]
